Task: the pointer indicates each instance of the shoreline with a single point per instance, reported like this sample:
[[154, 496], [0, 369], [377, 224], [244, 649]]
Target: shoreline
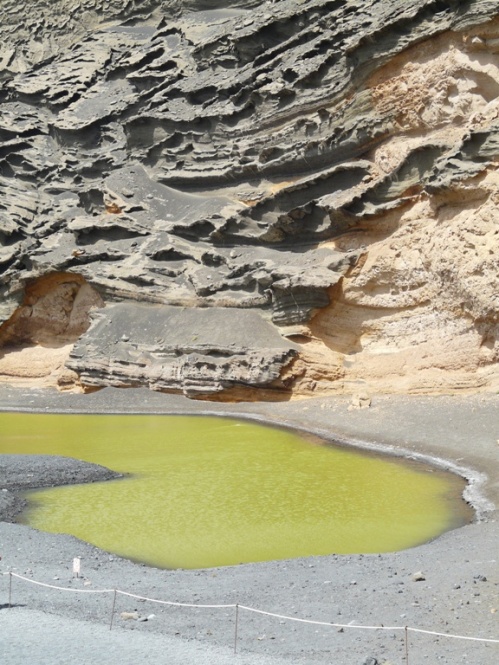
[[363, 589], [476, 481]]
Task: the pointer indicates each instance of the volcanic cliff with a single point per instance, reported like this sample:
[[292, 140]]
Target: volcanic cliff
[[250, 200]]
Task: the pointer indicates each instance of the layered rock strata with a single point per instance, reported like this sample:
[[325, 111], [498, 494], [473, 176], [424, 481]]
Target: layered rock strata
[[196, 351], [326, 168]]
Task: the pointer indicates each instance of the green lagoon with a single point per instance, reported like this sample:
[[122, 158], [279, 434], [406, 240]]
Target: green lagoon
[[206, 491]]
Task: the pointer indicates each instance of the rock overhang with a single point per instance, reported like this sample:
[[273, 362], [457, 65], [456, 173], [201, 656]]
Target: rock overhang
[[199, 351]]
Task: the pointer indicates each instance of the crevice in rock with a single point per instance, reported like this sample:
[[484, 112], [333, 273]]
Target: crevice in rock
[[36, 340]]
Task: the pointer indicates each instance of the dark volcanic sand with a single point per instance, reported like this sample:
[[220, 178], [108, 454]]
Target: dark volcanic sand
[[459, 594]]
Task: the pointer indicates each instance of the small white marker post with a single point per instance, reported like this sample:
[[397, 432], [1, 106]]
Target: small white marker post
[[76, 566]]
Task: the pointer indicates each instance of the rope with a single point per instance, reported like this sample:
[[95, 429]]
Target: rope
[[256, 611], [169, 602], [60, 588], [320, 623], [456, 637]]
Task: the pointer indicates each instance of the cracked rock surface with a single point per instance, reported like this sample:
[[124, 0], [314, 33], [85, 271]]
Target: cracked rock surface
[[322, 171]]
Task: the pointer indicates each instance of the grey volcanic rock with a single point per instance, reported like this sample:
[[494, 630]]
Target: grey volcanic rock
[[196, 351], [261, 156]]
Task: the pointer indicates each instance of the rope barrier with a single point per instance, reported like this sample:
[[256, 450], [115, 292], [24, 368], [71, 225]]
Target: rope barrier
[[238, 607], [456, 637], [169, 602], [320, 623], [59, 588]]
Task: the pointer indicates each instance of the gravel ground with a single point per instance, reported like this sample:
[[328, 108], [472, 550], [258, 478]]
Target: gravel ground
[[23, 472], [458, 591]]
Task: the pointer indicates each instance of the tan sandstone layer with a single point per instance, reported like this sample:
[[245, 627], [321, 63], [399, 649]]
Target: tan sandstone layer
[[419, 311]]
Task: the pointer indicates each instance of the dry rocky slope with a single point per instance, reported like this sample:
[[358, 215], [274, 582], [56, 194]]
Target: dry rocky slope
[[249, 200]]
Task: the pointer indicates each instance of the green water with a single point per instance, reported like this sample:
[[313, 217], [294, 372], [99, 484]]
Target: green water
[[210, 491]]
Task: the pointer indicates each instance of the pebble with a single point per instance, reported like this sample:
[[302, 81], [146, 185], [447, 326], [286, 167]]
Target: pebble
[[126, 616]]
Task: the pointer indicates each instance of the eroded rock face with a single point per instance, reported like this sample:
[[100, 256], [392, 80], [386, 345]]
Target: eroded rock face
[[329, 166], [36, 340], [198, 351], [54, 309]]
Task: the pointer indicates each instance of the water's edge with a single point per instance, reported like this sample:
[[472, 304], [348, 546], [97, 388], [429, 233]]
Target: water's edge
[[473, 493]]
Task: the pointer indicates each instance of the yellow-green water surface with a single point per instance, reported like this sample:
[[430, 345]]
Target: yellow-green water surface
[[210, 491]]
